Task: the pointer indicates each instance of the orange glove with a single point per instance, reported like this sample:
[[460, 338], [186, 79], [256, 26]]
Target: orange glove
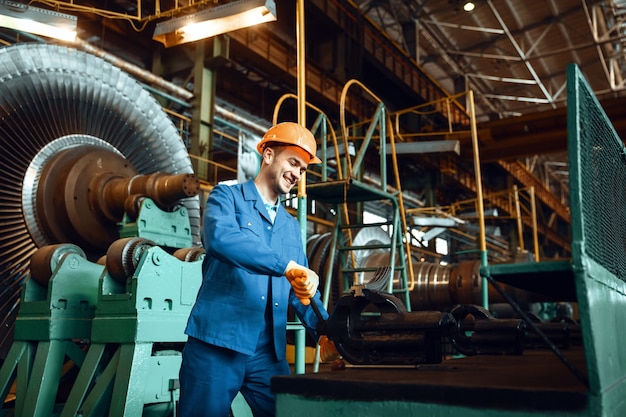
[[303, 280], [328, 351], [301, 285]]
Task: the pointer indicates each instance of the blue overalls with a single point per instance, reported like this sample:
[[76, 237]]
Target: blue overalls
[[237, 327]]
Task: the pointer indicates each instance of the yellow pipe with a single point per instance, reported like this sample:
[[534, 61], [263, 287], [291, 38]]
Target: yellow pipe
[[518, 217], [533, 208], [479, 198], [342, 116], [301, 197], [280, 102]]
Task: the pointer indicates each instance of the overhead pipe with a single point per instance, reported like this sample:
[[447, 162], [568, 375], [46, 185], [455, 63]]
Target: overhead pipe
[[230, 116], [133, 69], [167, 85]]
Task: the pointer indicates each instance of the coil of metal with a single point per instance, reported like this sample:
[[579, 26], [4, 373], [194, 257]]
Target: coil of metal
[[432, 288]]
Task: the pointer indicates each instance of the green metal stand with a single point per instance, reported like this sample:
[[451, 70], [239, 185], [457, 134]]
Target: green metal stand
[[50, 326], [129, 327], [124, 369]]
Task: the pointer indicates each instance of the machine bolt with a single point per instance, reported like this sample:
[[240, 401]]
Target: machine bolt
[[73, 262]]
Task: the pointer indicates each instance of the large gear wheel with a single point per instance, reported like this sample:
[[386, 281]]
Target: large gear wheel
[[54, 98]]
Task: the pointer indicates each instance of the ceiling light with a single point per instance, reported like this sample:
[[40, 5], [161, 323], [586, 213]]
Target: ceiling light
[[37, 21], [469, 6], [214, 21]]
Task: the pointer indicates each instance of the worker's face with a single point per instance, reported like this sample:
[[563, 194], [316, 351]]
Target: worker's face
[[286, 164]]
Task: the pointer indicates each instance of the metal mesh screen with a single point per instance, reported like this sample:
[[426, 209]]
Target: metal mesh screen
[[597, 179]]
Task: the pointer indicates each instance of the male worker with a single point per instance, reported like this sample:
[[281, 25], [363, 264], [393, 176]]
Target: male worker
[[255, 266]]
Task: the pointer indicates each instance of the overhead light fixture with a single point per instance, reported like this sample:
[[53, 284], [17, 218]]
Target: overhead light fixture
[[37, 21], [214, 21], [469, 6], [427, 146]]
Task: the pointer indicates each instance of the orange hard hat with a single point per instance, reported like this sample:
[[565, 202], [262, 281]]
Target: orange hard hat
[[290, 133]]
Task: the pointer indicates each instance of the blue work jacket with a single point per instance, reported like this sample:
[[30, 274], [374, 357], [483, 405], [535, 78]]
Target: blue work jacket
[[245, 254]]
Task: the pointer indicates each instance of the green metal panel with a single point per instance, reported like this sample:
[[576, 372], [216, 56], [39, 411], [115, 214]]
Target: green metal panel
[[597, 165], [154, 306], [170, 229], [41, 393], [131, 379], [63, 310]]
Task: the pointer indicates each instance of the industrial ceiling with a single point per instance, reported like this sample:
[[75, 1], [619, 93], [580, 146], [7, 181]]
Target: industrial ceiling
[[512, 54]]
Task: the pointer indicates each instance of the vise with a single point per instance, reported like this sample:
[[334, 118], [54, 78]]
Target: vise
[[371, 327]]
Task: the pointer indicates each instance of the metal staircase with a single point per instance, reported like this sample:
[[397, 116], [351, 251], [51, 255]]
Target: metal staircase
[[350, 190]]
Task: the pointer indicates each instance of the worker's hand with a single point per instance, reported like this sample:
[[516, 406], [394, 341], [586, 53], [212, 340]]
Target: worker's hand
[[303, 280], [328, 351]]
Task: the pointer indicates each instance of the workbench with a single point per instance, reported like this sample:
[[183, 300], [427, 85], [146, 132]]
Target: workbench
[[536, 382]]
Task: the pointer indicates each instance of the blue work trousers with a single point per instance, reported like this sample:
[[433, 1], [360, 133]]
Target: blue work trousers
[[211, 376]]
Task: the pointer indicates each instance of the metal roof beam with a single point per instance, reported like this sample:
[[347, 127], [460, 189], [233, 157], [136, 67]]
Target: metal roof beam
[[521, 53], [503, 79]]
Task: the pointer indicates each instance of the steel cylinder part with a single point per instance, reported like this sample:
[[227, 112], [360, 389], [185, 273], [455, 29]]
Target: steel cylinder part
[[166, 190], [432, 286], [82, 193], [477, 332], [123, 257], [435, 285], [64, 196], [441, 286], [45, 260], [189, 254]]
